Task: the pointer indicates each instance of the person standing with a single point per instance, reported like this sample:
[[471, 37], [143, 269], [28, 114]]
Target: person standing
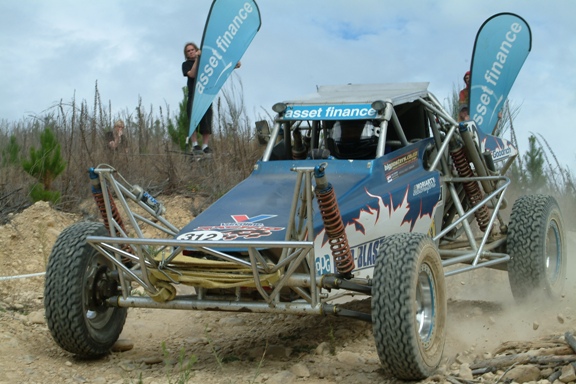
[[464, 99], [115, 138], [190, 70]]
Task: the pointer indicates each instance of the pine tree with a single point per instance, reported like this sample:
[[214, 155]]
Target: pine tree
[[534, 176], [45, 164], [179, 133], [11, 153], [517, 175]]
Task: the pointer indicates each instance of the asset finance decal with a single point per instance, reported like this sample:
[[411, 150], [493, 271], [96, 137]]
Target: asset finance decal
[[243, 227], [401, 165], [336, 111]]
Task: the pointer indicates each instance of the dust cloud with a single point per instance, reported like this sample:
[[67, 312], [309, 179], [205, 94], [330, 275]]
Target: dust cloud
[[482, 313]]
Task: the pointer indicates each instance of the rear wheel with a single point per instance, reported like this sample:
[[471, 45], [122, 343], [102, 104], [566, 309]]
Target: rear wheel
[[409, 306], [537, 247], [78, 281]]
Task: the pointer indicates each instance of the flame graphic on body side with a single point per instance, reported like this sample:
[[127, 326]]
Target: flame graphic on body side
[[391, 213]]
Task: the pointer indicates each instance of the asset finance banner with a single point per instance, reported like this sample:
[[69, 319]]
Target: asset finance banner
[[501, 47], [229, 30]]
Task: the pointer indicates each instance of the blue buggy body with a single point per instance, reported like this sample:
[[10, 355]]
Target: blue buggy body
[[363, 192], [372, 202]]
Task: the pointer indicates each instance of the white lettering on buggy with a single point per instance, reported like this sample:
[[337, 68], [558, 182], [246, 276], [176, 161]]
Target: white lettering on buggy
[[424, 186], [343, 112], [501, 154]]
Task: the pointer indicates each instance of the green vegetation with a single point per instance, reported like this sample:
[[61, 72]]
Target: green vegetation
[[217, 356], [332, 339], [537, 169], [11, 153], [45, 164], [532, 177], [70, 138], [48, 156], [231, 358], [181, 371], [179, 132]]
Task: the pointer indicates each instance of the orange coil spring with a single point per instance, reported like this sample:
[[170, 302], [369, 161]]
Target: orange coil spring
[[99, 198], [471, 187], [335, 231]]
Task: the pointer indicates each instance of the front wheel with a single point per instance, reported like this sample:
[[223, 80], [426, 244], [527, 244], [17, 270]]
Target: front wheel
[[537, 247], [409, 306], [78, 281]]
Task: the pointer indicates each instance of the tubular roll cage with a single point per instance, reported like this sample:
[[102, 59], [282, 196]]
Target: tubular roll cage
[[297, 250]]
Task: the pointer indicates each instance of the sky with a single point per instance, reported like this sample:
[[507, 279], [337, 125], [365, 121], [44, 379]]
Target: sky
[[57, 50]]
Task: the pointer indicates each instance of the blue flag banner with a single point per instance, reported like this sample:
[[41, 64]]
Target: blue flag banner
[[502, 45], [229, 30]]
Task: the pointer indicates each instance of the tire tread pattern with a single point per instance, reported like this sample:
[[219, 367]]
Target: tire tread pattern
[[396, 337], [63, 294], [526, 241]]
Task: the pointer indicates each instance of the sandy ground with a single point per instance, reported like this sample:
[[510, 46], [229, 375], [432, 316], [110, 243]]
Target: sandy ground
[[240, 347]]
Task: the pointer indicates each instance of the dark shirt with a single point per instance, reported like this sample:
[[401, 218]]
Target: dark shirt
[[122, 143], [187, 66]]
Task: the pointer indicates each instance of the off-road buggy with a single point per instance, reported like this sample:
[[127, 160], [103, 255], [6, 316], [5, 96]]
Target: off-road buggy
[[363, 192]]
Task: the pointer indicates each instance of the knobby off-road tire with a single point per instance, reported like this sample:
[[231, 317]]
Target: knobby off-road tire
[[409, 306], [76, 274], [537, 247]]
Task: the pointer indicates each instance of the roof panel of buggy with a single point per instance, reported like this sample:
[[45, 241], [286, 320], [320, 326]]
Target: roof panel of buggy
[[351, 101]]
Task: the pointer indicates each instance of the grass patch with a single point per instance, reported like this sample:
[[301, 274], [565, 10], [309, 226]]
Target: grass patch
[[181, 371]]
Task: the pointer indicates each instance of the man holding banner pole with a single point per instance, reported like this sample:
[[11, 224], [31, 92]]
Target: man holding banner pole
[[229, 30], [190, 70]]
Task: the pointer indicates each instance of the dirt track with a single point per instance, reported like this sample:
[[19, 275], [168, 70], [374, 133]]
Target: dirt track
[[241, 348]]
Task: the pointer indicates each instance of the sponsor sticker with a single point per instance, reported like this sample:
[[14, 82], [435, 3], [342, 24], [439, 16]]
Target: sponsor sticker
[[243, 227], [323, 265], [501, 154], [365, 254], [424, 186], [401, 165]]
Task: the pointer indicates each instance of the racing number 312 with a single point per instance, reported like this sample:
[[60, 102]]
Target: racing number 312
[[201, 236]]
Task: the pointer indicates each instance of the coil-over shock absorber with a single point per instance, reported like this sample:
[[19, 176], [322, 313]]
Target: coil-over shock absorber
[[99, 198], [471, 188], [333, 223]]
